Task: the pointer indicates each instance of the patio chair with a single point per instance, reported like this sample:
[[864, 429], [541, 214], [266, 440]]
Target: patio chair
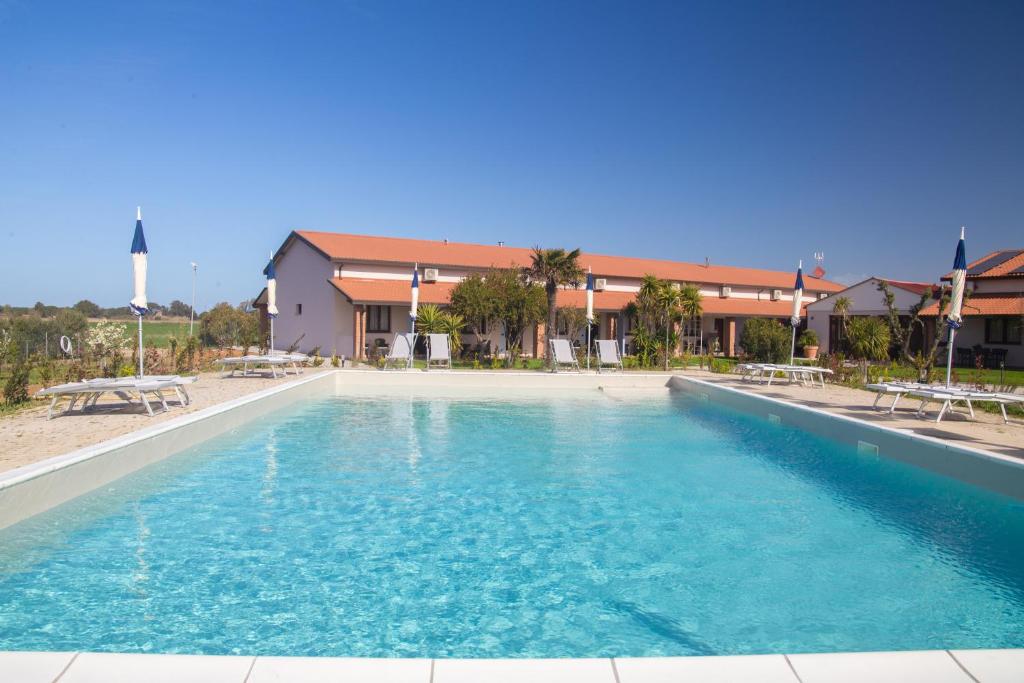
[[608, 354], [439, 351], [561, 354], [400, 353]]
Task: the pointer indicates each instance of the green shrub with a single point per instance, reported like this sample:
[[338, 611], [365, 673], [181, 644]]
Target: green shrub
[[808, 338], [766, 340], [16, 386]]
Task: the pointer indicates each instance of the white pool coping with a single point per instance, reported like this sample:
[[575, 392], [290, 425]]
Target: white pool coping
[[124, 454], [924, 666]]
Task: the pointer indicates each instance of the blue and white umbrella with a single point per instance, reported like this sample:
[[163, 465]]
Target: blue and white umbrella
[[956, 299], [271, 297], [140, 259], [794, 318], [590, 310], [415, 296]]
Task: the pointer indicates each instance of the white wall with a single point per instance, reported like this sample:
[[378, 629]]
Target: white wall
[[865, 299], [302, 277]]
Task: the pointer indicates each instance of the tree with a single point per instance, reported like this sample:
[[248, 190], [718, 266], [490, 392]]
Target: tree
[[572, 319], [766, 340], [472, 298], [428, 319], [224, 325], [841, 307], [518, 305], [452, 324], [555, 268], [87, 308], [869, 340], [655, 311], [690, 303], [179, 309], [901, 333]]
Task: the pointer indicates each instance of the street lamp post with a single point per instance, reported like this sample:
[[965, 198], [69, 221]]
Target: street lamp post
[[192, 311]]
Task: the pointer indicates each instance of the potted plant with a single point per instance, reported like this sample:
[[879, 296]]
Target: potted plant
[[809, 342]]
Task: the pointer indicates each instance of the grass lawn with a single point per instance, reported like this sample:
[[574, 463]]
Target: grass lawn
[[157, 333]]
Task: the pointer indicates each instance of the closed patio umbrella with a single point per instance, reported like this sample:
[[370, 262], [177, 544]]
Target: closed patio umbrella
[[140, 256], [956, 299], [794, 319], [271, 298], [415, 297], [590, 310]]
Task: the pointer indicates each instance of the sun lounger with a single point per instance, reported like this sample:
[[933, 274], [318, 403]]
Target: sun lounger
[[90, 391], [948, 397], [438, 351], [245, 363], [400, 353], [801, 373], [561, 354], [608, 354]]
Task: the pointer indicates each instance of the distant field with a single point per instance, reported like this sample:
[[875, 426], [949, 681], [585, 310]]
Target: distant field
[[157, 333]]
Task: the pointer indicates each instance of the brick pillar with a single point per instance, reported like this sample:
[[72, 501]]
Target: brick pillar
[[358, 331], [729, 343], [613, 326]]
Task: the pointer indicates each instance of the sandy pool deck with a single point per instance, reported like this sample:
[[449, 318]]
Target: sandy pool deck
[[986, 431], [28, 437]]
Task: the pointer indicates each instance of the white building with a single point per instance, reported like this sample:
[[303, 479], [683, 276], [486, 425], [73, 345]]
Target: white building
[[865, 299], [343, 292]]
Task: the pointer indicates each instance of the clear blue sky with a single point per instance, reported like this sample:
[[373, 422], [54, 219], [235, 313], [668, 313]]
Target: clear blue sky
[[752, 135]]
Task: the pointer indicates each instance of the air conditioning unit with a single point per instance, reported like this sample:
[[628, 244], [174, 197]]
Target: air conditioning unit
[[776, 294], [725, 292], [430, 274], [600, 283]]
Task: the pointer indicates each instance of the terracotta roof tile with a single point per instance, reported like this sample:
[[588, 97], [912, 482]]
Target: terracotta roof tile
[[367, 248], [986, 304]]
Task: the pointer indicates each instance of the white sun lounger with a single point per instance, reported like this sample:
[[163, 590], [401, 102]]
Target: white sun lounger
[[400, 353], [948, 397], [608, 354], [801, 373], [561, 354], [438, 351], [90, 391], [244, 363]]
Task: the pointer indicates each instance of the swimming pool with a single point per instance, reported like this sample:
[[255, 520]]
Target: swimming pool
[[533, 527]]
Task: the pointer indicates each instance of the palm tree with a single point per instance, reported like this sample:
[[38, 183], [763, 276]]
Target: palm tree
[[841, 307], [689, 302], [869, 340], [555, 268], [428, 319], [452, 324]]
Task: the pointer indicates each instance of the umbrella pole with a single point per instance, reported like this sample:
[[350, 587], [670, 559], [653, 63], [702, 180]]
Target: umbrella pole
[[792, 346], [949, 356], [271, 337], [588, 344], [140, 348]]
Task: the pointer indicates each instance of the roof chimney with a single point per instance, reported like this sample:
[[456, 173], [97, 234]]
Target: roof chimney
[[500, 243]]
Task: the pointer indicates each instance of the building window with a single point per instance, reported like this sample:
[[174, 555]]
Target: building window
[[1002, 330], [298, 309], [378, 318]]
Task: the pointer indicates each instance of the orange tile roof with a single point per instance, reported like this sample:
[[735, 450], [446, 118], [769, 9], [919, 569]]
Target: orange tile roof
[[366, 248], [986, 304], [396, 292], [915, 287], [1004, 269], [369, 291]]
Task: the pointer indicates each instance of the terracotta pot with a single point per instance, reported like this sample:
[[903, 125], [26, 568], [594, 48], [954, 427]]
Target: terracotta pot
[[810, 351]]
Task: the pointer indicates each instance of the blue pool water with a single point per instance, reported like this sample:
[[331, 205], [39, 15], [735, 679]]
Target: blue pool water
[[537, 528]]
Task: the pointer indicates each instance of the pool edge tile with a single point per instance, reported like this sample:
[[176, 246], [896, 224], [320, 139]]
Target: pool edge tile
[[106, 667], [324, 669], [707, 669], [27, 666], [912, 666], [524, 671], [992, 666]]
